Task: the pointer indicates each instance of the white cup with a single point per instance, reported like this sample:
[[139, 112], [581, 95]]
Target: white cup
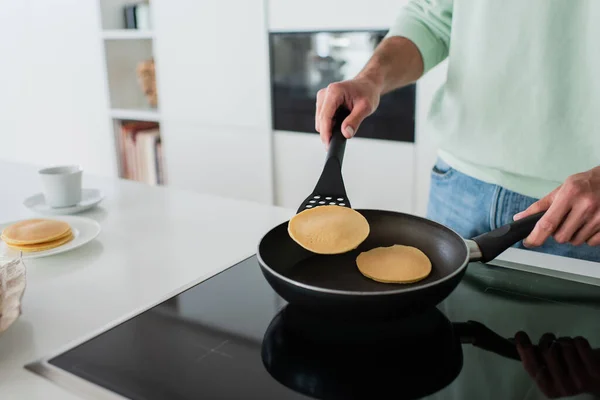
[[61, 185]]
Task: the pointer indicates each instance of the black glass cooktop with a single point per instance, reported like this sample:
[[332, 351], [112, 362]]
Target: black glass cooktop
[[232, 337]]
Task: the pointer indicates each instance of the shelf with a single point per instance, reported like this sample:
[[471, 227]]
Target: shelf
[[136, 115], [126, 34]]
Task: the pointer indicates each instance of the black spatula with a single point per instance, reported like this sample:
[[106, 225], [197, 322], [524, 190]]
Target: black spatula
[[330, 189]]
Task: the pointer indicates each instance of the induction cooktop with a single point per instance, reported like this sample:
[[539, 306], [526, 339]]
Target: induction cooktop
[[232, 337]]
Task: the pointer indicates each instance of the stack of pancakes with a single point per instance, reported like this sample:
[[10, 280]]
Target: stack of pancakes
[[37, 234]]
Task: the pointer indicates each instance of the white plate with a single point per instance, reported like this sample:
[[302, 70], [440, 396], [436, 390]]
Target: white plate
[[84, 231], [89, 198]]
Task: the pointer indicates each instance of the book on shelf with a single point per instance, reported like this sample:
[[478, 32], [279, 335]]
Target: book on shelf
[[137, 15], [141, 152]]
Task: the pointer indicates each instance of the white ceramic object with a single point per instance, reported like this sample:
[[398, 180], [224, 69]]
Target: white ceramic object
[[84, 231], [12, 287], [89, 199], [61, 185]]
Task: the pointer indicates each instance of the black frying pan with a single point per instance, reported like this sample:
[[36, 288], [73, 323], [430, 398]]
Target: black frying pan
[[326, 281], [331, 357]]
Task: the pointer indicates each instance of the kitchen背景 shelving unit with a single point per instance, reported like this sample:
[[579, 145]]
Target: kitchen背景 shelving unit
[[131, 79]]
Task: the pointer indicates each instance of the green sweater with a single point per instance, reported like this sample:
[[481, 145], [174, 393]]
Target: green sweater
[[520, 106]]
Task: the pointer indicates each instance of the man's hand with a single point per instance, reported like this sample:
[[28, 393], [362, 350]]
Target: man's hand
[[395, 63], [359, 96], [560, 367], [573, 212]]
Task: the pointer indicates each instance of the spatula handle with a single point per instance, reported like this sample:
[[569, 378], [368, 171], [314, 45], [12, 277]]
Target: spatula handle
[[337, 144]]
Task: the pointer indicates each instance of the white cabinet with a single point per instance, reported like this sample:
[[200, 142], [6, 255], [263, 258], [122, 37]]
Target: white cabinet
[[377, 173], [213, 88], [213, 61], [223, 161]]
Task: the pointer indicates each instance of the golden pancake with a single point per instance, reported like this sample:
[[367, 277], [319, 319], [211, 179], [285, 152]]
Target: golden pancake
[[67, 233], [29, 248], [34, 231], [394, 264], [329, 229]]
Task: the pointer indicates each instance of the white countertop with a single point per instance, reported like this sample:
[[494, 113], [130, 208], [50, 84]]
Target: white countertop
[[154, 242]]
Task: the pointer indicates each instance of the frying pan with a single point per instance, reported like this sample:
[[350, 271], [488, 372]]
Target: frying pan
[[323, 282], [330, 357]]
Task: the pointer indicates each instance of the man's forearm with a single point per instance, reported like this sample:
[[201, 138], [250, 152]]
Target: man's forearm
[[396, 62]]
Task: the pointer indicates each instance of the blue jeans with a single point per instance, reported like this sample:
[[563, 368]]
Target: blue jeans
[[471, 207]]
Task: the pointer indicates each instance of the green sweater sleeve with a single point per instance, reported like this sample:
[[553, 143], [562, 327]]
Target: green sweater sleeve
[[427, 23]]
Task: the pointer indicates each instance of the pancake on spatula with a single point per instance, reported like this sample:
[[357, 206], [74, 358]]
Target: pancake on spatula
[[394, 264], [329, 229], [30, 248], [34, 231]]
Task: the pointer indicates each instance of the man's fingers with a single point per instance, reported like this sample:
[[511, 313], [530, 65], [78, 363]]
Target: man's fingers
[[541, 205], [587, 231], [332, 100], [574, 220], [575, 367], [550, 222], [320, 95], [584, 207], [587, 355], [533, 363], [560, 376], [528, 355], [546, 341], [594, 240], [359, 112]]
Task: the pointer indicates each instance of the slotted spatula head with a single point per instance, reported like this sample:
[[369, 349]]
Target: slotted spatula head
[[330, 189]]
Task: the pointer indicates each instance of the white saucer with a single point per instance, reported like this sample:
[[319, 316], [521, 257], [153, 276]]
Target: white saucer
[[84, 231], [89, 198]]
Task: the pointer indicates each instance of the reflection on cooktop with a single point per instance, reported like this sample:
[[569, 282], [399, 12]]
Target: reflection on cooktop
[[335, 358], [231, 337]]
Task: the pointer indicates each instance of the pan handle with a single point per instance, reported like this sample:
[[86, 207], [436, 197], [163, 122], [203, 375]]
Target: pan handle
[[481, 336], [492, 243]]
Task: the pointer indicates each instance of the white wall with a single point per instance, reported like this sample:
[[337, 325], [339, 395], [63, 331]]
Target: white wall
[[53, 98]]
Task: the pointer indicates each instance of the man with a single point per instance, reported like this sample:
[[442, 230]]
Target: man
[[517, 120]]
